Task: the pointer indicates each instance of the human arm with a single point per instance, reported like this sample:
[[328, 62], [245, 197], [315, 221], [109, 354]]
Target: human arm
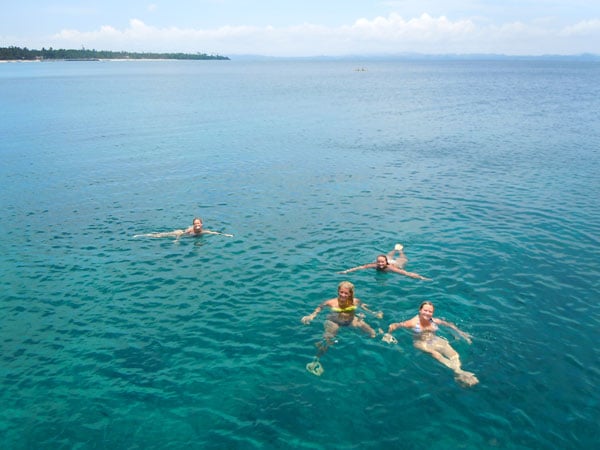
[[178, 233], [408, 274], [364, 266], [378, 314], [387, 337], [462, 334], [161, 234], [406, 324], [308, 319], [216, 232]]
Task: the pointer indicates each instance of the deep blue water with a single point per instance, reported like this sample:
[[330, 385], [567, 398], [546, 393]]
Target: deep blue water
[[486, 171]]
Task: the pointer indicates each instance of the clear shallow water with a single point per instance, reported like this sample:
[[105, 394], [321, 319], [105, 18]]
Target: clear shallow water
[[485, 171]]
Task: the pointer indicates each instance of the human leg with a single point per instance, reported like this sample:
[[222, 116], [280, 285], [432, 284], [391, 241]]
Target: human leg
[[331, 329], [442, 351], [329, 335], [431, 348], [461, 376], [391, 255], [400, 260]]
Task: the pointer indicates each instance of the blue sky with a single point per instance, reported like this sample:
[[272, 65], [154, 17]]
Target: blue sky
[[307, 27]]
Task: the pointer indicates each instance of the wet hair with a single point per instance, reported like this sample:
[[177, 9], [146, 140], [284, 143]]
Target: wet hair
[[426, 302], [349, 286], [197, 218]]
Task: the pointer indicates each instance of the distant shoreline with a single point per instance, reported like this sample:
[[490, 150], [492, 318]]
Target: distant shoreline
[[15, 55], [12, 61], [50, 54]]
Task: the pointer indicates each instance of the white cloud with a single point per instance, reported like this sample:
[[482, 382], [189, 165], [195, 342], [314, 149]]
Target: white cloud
[[391, 34], [588, 27], [422, 28]]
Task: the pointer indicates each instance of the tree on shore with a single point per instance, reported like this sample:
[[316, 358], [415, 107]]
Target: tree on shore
[[25, 54]]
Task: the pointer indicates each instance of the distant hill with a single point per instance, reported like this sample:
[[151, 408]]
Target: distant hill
[[24, 54]]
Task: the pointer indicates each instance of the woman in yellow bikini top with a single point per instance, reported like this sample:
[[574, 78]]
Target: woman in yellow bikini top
[[343, 309]]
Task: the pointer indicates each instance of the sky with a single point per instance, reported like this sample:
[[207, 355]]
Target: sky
[[306, 27]]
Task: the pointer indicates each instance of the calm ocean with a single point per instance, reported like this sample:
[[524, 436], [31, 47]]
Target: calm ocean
[[486, 172]]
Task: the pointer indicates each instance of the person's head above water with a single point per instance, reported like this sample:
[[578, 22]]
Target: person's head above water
[[346, 292], [426, 310], [197, 225], [382, 262]]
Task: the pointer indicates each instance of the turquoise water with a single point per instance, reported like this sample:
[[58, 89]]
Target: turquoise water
[[486, 171]]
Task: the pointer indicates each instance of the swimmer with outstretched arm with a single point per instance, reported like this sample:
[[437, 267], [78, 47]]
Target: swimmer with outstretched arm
[[424, 327], [195, 230], [387, 263]]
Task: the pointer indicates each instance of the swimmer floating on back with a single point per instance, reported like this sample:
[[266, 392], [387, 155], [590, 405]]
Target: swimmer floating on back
[[195, 230], [387, 263], [343, 314], [424, 326]]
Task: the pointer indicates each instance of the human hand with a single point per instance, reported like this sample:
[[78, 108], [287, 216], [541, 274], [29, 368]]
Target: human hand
[[466, 337], [387, 337], [379, 314], [307, 319]]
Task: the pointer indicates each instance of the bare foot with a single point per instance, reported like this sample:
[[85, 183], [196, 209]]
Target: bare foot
[[315, 368], [467, 379]]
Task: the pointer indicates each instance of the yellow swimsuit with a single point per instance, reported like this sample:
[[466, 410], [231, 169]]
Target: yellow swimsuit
[[337, 316], [346, 309]]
